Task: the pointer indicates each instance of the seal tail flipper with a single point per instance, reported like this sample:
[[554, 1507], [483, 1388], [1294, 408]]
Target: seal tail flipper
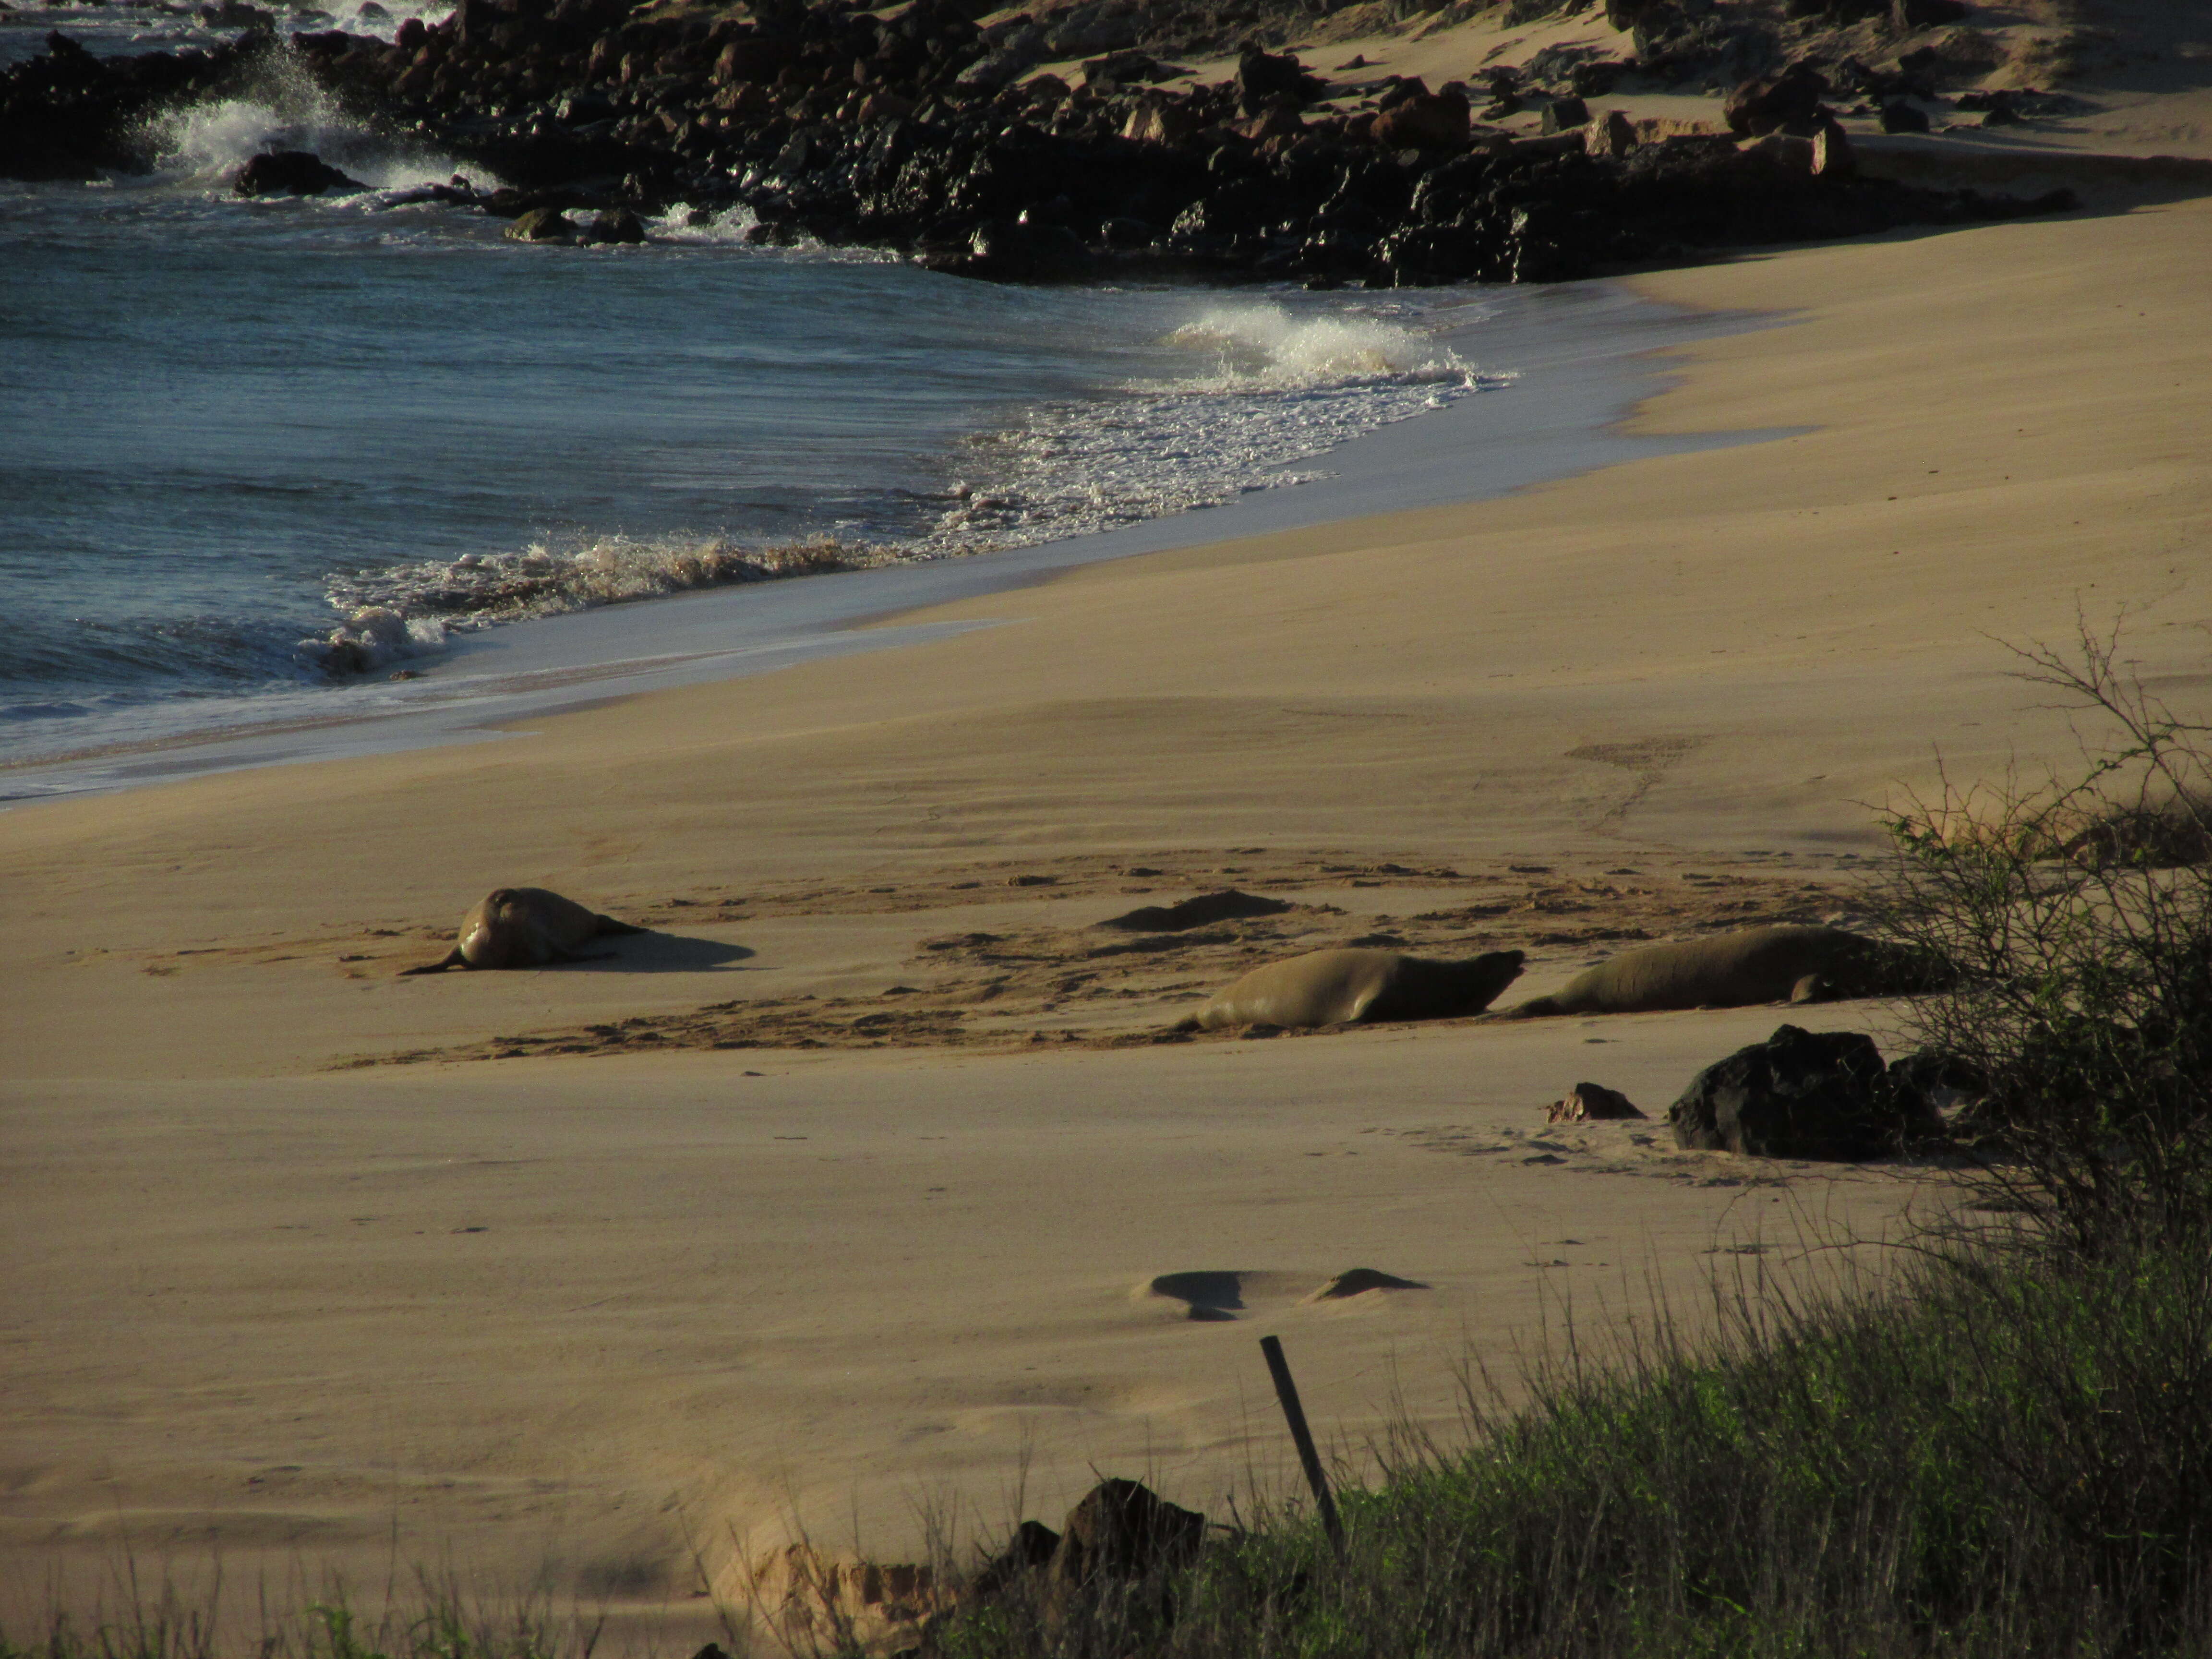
[[453, 958], [608, 925], [1534, 1008]]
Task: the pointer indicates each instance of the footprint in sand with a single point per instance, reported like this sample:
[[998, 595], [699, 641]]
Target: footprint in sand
[[1219, 1294]]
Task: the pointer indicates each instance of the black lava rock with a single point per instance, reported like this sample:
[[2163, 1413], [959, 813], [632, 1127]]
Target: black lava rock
[[291, 173], [1800, 1094]]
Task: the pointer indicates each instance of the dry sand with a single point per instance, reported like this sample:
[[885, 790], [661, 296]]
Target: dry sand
[[615, 1321]]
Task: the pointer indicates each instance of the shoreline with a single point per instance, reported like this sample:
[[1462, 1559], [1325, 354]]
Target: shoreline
[[1583, 359]]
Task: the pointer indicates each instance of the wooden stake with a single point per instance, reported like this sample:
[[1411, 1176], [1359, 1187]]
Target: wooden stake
[[1287, 1392]]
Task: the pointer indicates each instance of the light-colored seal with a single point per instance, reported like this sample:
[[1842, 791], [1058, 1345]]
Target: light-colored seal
[[1731, 970], [1339, 986], [525, 928]]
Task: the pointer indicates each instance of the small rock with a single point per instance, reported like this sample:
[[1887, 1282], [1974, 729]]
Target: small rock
[[1564, 115], [1591, 1102], [1611, 135], [613, 225], [1832, 151], [1425, 121], [1898, 116], [1788, 102], [543, 225]]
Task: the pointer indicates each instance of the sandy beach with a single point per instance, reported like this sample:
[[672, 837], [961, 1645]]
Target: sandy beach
[[833, 1206]]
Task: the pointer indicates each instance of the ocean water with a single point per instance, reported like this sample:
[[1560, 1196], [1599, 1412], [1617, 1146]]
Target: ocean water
[[252, 448]]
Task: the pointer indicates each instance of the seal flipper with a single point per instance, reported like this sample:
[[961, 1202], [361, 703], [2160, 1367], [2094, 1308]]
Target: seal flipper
[[562, 953], [604, 926], [453, 959], [1534, 1008]]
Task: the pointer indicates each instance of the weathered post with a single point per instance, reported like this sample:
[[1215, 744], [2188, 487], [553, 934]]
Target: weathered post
[[1287, 1392]]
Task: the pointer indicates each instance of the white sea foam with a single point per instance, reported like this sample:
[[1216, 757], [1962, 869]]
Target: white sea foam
[[1266, 388], [207, 143], [706, 226]]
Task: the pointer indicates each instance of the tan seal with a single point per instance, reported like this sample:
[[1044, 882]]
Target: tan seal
[[1348, 984], [1731, 970], [525, 928]]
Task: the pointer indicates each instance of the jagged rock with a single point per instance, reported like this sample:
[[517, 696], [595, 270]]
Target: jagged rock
[[542, 224], [291, 173], [1832, 151], [614, 225], [1591, 1102], [1425, 121], [1160, 120], [1123, 1530], [1612, 135], [1781, 150], [1262, 76], [1564, 115], [1788, 102], [1800, 1094]]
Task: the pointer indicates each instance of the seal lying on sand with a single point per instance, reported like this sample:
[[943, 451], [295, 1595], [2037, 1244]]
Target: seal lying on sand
[[1334, 987], [1729, 970], [525, 928]]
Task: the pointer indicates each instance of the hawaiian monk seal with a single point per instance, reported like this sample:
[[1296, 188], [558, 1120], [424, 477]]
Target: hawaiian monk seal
[[1729, 970], [525, 928], [1335, 988]]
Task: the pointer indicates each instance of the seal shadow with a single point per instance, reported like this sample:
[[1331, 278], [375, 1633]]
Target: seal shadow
[[667, 953]]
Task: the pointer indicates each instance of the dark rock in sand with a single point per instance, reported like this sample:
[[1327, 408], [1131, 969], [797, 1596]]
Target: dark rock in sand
[[1262, 76], [1564, 115], [1194, 912], [1591, 1102], [1123, 1530], [1898, 116], [1425, 121], [1800, 1094], [291, 173]]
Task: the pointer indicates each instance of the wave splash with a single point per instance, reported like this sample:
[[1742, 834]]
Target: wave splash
[[1266, 388], [205, 143], [409, 609]]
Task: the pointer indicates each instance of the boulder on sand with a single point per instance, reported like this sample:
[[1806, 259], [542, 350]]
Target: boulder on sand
[[1591, 1102], [1123, 1530], [1820, 1095]]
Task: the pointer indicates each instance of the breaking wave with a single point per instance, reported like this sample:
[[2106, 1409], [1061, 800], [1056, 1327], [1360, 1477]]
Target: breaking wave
[[207, 143], [1264, 389]]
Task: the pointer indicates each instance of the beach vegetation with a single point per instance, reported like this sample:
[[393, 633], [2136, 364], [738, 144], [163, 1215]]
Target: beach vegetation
[[2002, 1446]]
